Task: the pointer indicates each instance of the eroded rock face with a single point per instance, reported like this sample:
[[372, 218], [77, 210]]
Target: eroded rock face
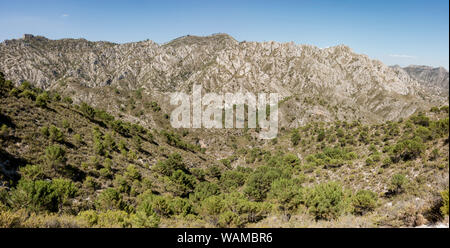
[[429, 76], [317, 84]]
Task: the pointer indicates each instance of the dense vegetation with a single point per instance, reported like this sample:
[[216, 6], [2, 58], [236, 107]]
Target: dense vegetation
[[64, 164]]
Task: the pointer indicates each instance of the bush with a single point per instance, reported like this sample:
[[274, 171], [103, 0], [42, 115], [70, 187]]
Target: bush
[[295, 137], [145, 213], [87, 110], [387, 161], [260, 182], [99, 149], [444, 208], [232, 179], [55, 156], [172, 163], [109, 142], [42, 99], [42, 195], [421, 120], [109, 199], [286, 193], [14, 92], [424, 133], [78, 139], [327, 201], [364, 201], [132, 173], [64, 189], [408, 149], [180, 183], [204, 190], [398, 182], [213, 171], [4, 130], [121, 127], [55, 134], [211, 208], [181, 206], [114, 218], [32, 172], [28, 94], [67, 100], [121, 184]]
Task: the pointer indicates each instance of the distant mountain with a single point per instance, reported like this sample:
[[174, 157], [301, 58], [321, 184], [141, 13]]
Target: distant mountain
[[314, 83], [429, 76]]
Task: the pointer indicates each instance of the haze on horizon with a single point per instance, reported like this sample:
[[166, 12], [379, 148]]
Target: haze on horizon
[[400, 32]]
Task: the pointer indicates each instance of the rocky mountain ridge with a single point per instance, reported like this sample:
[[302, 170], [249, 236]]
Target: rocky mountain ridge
[[314, 83]]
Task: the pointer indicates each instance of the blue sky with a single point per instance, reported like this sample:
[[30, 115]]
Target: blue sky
[[395, 32]]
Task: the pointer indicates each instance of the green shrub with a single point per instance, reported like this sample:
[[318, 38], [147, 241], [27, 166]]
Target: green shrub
[[213, 171], [286, 193], [99, 149], [211, 208], [67, 100], [444, 208], [42, 195], [114, 218], [408, 149], [398, 182], [55, 156], [295, 137], [145, 213], [109, 142], [121, 127], [78, 139], [132, 173], [121, 184], [28, 94], [259, 183], [421, 120], [232, 179], [173, 163], [109, 199], [14, 92], [32, 172], [4, 131], [424, 133], [90, 183], [198, 173], [180, 183], [181, 206], [55, 134], [89, 216], [387, 161], [42, 99], [327, 201], [204, 190], [230, 219], [321, 136], [364, 201], [87, 110]]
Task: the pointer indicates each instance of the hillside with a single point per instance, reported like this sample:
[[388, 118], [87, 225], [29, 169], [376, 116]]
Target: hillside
[[67, 164]]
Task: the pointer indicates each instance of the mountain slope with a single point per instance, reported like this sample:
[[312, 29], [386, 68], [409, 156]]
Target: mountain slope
[[71, 165]]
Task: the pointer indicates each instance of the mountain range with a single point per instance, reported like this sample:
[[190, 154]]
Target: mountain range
[[315, 84]]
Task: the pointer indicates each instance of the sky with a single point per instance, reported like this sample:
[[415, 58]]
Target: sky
[[399, 32]]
